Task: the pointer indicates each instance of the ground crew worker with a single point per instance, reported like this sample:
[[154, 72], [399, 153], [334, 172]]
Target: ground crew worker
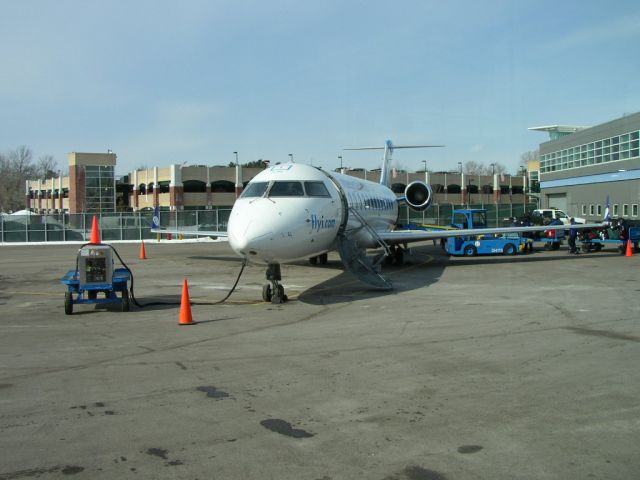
[[573, 234]]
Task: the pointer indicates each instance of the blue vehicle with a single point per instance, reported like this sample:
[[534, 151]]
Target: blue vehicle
[[472, 245], [95, 276], [596, 241]]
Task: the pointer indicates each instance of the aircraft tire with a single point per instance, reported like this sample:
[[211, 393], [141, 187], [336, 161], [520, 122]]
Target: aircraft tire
[[266, 292], [324, 258], [313, 260]]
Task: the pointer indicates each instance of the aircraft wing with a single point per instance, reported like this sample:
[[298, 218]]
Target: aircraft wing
[[196, 233], [156, 228], [407, 236]]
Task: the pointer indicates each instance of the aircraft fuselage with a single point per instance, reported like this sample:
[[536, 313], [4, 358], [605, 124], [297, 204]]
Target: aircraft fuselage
[[294, 211]]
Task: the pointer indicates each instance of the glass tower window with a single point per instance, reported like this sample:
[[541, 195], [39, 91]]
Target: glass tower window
[[100, 191]]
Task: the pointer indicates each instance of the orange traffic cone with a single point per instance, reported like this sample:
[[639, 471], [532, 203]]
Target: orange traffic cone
[[95, 232], [185, 306], [629, 248], [143, 252]]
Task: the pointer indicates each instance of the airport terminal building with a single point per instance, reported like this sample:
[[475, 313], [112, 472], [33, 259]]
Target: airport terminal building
[[92, 187], [580, 166]]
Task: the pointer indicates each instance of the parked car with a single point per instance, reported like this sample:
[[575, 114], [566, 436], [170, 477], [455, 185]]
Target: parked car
[[544, 216]]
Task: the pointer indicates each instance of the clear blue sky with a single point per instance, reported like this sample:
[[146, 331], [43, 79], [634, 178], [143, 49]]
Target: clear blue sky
[[161, 82]]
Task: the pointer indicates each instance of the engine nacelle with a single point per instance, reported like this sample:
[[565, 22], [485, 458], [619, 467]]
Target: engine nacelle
[[418, 195]]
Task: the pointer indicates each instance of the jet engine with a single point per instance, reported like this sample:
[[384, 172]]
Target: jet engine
[[418, 195]]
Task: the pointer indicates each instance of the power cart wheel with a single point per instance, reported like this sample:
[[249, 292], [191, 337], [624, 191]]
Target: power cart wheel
[[126, 306], [509, 249], [470, 251], [68, 303]]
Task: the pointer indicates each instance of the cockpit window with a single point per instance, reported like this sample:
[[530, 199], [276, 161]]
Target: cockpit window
[[255, 189], [316, 189], [286, 189]]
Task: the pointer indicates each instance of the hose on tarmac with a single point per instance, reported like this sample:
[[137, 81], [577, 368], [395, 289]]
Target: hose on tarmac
[[149, 304]]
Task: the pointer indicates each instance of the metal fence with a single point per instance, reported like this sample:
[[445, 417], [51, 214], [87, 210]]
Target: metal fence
[[65, 227], [498, 214]]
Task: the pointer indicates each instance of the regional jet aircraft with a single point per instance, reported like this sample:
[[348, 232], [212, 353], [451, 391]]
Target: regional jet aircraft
[[293, 211]]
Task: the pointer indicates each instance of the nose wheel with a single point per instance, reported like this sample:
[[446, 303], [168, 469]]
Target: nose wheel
[[273, 292]]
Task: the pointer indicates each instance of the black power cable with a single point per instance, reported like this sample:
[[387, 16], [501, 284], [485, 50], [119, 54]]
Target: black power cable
[[149, 304]]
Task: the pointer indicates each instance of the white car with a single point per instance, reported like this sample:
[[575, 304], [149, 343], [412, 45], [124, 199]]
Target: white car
[[548, 214]]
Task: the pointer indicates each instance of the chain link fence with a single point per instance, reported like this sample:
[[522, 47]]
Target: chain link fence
[[498, 214], [65, 227]]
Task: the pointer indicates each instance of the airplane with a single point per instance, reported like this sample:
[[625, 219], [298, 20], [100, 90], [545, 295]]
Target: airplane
[[292, 211]]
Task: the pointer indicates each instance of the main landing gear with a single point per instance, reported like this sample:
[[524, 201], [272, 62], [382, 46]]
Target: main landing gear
[[273, 292], [322, 259], [397, 255]]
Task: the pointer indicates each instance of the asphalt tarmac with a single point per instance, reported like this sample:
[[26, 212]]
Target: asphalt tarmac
[[519, 367]]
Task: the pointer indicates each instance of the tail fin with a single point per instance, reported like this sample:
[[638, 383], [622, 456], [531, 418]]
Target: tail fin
[[155, 220], [386, 159], [607, 212]]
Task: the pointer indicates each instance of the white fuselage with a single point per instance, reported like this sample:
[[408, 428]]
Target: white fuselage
[[294, 211]]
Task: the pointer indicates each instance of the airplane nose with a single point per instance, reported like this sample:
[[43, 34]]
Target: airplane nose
[[237, 243], [247, 234]]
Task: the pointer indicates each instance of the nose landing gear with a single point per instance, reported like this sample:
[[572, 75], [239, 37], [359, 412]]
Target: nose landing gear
[[273, 292]]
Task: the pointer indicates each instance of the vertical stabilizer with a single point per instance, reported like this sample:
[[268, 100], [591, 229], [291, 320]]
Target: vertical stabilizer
[[607, 212], [385, 174], [386, 164]]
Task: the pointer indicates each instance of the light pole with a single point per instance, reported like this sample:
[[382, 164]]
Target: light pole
[[460, 166], [425, 166], [291, 157], [340, 157], [493, 179], [236, 154]]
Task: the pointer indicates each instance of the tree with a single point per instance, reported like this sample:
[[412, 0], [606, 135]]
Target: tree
[[472, 167], [255, 164], [47, 167], [477, 168], [16, 167], [530, 156]]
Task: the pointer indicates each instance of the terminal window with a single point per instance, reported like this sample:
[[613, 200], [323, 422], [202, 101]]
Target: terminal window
[[620, 147]]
